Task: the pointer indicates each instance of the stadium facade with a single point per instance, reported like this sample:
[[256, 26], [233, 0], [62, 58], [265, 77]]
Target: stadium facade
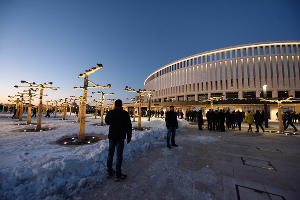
[[237, 74]]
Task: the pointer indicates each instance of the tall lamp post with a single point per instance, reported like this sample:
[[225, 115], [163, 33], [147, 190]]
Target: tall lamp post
[[101, 101], [16, 101], [41, 87], [30, 95], [85, 87], [266, 116], [134, 104], [140, 93]]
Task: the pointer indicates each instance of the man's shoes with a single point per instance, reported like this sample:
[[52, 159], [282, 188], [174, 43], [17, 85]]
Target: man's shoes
[[120, 177], [174, 145], [169, 146], [111, 174]]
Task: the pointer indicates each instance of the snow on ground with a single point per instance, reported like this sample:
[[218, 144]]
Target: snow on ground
[[33, 167]]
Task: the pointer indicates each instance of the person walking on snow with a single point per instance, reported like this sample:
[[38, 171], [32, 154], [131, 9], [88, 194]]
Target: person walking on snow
[[120, 128], [172, 125]]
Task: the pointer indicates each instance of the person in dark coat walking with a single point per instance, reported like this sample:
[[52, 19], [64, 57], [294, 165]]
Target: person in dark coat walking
[[200, 119], [120, 128], [239, 118], [258, 119], [209, 121], [172, 125], [289, 120], [221, 117]]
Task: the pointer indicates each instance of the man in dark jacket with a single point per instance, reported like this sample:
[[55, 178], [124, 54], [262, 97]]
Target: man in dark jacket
[[172, 125], [238, 119], [120, 128], [258, 119], [200, 119], [289, 120]]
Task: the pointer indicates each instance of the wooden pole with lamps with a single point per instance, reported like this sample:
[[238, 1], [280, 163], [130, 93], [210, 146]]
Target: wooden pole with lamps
[[140, 93], [85, 87], [41, 88]]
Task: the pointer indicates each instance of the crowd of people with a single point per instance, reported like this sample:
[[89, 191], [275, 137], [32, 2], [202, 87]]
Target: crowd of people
[[219, 120]]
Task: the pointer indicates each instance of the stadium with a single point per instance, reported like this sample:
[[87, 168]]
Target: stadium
[[234, 78]]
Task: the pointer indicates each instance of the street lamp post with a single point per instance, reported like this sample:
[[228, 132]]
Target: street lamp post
[[30, 95], [41, 87], [102, 99], [140, 93], [134, 104], [266, 116], [16, 108], [84, 100]]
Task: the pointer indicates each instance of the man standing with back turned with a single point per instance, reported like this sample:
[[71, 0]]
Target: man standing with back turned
[[172, 125], [120, 128]]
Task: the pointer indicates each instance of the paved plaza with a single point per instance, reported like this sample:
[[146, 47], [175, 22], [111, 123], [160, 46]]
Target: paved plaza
[[212, 165]]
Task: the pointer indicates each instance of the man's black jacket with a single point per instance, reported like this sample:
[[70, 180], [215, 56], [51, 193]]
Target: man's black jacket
[[171, 119], [120, 124]]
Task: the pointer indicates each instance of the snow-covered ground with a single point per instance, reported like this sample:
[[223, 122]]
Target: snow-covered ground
[[33, 167]]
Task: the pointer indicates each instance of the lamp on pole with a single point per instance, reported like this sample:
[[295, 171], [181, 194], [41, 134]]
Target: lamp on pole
[[16, 101], [140, 93], [266, 116], [30, 95], [101, 101], [85, 87], [41, 87], [134, 103]]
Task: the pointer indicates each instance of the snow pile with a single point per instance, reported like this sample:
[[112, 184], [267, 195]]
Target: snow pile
[[32, 167]]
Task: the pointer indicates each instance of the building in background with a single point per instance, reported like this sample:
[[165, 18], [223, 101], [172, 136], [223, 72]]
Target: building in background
[[236, 73]]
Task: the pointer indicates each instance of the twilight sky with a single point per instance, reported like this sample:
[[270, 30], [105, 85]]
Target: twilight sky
[[55, 40]]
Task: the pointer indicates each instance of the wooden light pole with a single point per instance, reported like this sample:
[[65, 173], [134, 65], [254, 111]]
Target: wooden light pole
[[279, 104], [85, 87], [16, 108], [55, 105], [101, 101], [96, 108], [65, 107], [140, 93], [15, 101], [41, 87], [79, 100], [134, 104], [30, 95]]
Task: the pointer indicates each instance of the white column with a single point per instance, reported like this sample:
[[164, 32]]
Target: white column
[[280, 79], [286, 72], [292, 72], [296, 63], [234, 66], [251, 73], [240, 84]]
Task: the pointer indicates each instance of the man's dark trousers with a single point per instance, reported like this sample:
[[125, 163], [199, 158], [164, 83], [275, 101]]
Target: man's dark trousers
[[119, 145], [171, 134]]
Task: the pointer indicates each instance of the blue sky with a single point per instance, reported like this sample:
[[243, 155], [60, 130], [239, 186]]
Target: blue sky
[[55, 40]]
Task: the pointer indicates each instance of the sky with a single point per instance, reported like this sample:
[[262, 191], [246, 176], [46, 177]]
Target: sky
[[55, 40]]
